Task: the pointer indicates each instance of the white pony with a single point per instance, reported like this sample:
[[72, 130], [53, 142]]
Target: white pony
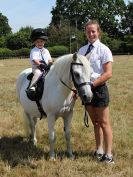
[[67, 71]]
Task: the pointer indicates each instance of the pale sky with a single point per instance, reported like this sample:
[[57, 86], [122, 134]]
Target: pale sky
[[22, 13]]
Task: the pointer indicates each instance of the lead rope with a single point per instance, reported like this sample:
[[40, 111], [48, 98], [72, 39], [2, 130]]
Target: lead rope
[[86, 120]]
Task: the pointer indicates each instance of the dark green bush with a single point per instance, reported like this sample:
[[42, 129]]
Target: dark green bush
[[58, 50], [4, 53], [113, 44], [24, 52]]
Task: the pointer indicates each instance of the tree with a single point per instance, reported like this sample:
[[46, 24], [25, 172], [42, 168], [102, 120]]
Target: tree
[[65, 35], [19, 40], [128, 44], [127, 20], [27, 29], [107, 12], [4, 26], [2, 42]]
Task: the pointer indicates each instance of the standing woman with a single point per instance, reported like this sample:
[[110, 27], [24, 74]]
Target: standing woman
[[101, 61]]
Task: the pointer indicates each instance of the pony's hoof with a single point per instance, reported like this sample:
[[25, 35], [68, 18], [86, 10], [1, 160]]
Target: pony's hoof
[[70, 156], [52, 159], [33, 142]]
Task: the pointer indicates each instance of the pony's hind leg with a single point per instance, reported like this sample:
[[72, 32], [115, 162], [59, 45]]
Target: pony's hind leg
[[31, 121], [67, 126]]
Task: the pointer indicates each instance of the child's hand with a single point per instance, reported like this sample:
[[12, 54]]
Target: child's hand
[[42, 66], [75, 95]]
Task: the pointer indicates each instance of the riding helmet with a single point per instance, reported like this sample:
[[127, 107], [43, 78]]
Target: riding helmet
[[38, 34]]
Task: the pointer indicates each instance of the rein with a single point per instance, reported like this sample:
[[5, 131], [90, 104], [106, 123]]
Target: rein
[[75, 91]]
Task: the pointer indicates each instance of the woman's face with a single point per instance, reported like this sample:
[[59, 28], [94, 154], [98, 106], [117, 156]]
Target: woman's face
[[39, 43], [92, 33]]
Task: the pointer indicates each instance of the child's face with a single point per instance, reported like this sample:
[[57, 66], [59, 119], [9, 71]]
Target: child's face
[[39, 43]]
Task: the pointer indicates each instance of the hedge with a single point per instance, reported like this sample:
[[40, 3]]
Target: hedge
[[25, 52]]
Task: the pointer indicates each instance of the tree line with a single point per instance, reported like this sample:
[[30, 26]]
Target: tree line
[[66, 30]]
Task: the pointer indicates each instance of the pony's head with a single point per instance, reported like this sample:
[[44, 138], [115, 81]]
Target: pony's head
[[75, 68], [80, 72]]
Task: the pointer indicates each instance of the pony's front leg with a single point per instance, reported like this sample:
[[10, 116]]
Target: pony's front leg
[[52, 137], [67, 126]]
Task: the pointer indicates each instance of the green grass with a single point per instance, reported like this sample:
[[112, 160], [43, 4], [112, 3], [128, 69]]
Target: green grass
[[19, 158]]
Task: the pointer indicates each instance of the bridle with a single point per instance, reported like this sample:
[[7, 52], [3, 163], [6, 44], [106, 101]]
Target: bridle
[[77, 86]]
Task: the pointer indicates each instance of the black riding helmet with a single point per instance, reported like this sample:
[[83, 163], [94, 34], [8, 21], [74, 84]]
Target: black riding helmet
[[38, 34]]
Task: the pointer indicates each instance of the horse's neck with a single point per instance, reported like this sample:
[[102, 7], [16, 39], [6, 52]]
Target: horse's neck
[[61, 72], [62, 69]]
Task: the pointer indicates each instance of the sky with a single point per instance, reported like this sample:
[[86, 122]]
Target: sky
[[22, 13]]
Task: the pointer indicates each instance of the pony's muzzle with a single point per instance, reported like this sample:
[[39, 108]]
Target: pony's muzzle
[[86, 98]]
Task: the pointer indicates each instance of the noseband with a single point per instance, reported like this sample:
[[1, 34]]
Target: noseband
[[77, 86]]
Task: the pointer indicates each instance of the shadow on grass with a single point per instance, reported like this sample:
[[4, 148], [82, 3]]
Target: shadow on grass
[[76, 155], [79, 154], [16, 150]]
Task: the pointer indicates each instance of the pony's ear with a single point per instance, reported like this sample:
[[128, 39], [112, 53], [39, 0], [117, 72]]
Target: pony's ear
[[88, 56], [74, 56]]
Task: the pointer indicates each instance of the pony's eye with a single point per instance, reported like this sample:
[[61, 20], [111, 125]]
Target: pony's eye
[[77, 75]]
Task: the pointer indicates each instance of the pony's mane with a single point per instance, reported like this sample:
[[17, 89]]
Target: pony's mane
[[63, 59], [69, 58], [62, 63]]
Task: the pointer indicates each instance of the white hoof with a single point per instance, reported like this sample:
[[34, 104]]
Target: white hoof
[[33, 141], [52, 159]]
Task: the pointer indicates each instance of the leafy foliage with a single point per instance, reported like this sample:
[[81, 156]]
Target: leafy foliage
[[58, 50], [80, 11], [4, 26], [2, 41], [112, 43], [20, 39], [128, 43], [127, 20], [65, 35], [6, 53]]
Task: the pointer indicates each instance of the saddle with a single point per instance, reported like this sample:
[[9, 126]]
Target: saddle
[[37, 94]]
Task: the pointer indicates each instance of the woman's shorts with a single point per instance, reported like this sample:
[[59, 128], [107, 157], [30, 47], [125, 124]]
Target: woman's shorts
[[100, 96]]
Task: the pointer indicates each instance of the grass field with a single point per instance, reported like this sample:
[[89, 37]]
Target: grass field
[[19, 158]]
